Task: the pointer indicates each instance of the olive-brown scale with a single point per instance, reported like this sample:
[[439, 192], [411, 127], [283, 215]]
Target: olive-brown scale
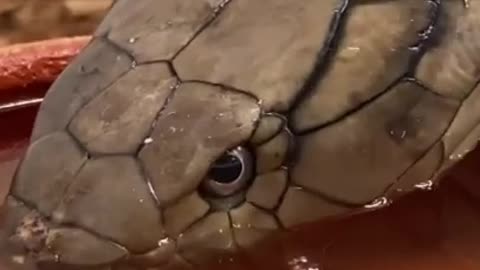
[[187, 129]]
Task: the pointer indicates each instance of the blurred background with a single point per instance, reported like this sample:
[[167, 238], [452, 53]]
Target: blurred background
[[32, 20]]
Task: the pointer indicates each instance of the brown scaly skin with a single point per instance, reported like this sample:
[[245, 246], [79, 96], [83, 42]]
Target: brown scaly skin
[[331, 105]]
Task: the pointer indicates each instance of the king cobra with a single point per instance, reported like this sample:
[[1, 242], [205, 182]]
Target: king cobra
[[190, 128]]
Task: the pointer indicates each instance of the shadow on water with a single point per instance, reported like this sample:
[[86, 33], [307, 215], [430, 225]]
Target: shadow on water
[[437, 229]]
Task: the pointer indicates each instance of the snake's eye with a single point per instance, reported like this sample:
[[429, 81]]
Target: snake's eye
[[230, 173]]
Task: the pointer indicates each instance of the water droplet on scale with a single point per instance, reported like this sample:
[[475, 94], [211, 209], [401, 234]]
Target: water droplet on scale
[[378, 203], [349, 52], [220, 6], [428, 185], [399, 134], [163, 241], [455, 157]]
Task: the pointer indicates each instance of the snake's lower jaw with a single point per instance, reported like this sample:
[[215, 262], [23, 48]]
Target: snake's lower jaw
[[34, 240]]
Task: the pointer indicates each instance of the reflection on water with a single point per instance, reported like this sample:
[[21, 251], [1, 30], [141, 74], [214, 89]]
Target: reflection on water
[[438, 229]]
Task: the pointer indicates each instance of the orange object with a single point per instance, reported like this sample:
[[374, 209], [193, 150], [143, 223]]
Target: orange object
[[38, 62]]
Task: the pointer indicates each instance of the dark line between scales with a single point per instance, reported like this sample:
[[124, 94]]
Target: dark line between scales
[[418, 49], [216, 12], [438, 140], [221, 6], [325, 55]]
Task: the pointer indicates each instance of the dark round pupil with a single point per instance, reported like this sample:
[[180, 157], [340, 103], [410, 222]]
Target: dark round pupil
[[226, 169]]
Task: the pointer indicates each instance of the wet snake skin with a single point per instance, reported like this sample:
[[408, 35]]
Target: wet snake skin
[[318, 108]]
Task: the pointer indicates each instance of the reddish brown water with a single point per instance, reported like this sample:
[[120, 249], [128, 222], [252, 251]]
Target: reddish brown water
[[15, 128], [437, 229], [26, 71]]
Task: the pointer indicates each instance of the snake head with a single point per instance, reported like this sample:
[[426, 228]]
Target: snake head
[[192, 128], [149, 171]]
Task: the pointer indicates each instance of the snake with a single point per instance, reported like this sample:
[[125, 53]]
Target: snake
[[188, 129]]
